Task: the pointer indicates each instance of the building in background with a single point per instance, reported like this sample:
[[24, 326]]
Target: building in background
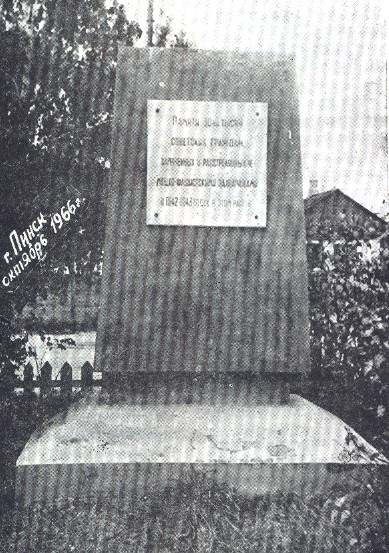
[[333, 219], [332, 208]]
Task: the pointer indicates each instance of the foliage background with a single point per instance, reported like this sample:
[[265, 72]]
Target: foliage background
[[349, 316]]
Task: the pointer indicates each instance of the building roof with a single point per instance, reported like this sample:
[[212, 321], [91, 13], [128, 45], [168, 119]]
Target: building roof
[[315, 199]]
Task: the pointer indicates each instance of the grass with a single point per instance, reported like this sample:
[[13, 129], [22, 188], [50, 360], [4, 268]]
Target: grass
[[201, 517]]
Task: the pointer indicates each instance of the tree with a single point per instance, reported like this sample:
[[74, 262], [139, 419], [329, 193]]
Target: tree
[[165, 37], [60, 62]]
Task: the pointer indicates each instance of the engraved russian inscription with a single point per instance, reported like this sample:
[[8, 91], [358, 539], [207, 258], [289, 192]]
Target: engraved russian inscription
[[211, 159]]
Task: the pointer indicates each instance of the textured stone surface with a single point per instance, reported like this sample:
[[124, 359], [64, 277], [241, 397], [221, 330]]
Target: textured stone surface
[[197, 299], [116, 451], [298, 432]]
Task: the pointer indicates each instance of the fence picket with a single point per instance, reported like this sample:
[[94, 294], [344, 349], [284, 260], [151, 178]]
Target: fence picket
[[28, 379], [66, 379], [45, 380], [86, 375]]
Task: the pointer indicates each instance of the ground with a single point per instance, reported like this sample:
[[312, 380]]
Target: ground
[[200, 518]]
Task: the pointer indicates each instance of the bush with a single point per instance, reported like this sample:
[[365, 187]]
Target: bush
[[349, 314]]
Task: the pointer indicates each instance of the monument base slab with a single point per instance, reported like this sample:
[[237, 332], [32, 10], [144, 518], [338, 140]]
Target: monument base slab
[[100, 449]]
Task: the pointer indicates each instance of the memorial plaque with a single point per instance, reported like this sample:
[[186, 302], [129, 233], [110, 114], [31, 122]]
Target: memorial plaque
[[206, 163]]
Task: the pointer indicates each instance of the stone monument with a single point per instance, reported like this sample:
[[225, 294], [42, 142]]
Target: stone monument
[[204, 261], [204, 309]]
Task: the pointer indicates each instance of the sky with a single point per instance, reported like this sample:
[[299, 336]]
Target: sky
[[340, 51]]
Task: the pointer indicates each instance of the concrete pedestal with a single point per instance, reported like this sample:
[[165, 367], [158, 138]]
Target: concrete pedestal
[[100, 449], [83, 477]]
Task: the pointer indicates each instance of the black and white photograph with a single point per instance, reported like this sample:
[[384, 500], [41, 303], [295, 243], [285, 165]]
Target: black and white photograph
[[194, 276]]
